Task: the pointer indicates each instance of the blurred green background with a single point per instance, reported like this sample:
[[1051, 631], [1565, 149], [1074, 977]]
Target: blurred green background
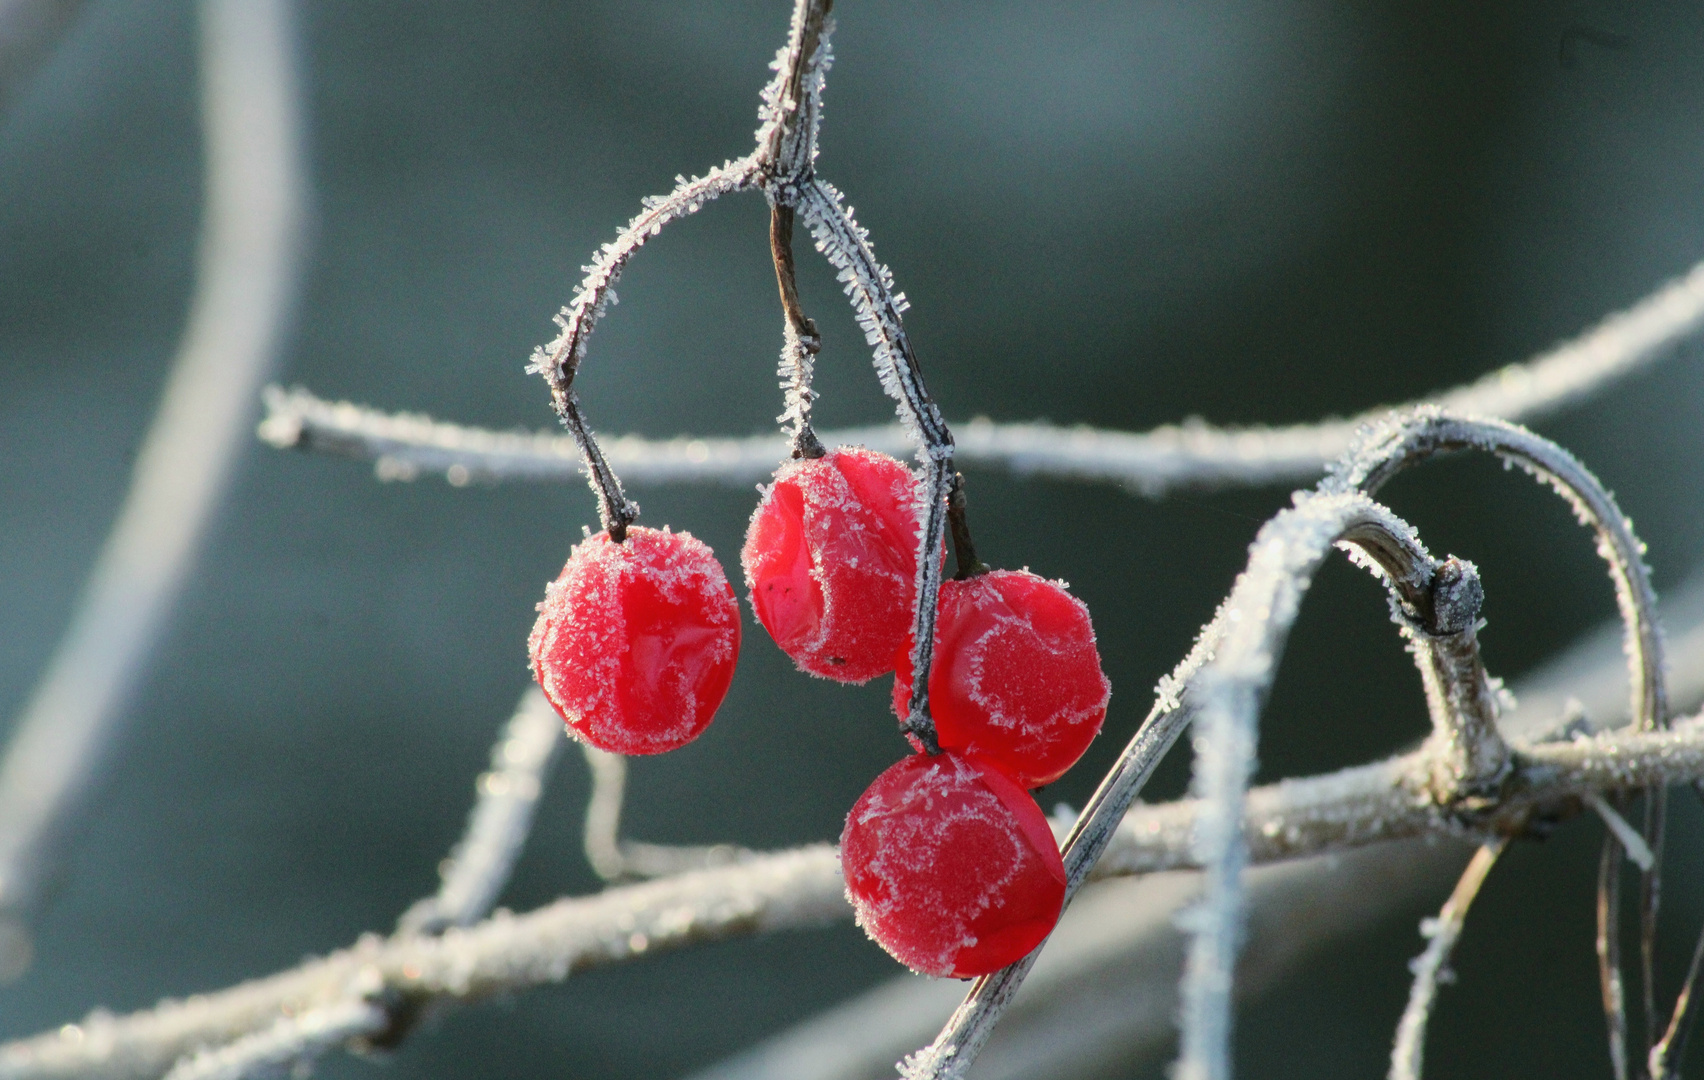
[[1120, 214]]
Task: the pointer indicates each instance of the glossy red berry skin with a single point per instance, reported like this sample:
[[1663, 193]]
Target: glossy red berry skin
[[1016, 677], [635, 643], [951, 867], [831, 561]]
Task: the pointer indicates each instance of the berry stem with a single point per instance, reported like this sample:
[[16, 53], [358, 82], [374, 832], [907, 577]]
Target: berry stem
[[801, 340], [615, 510], [937, 482], [964, 548]]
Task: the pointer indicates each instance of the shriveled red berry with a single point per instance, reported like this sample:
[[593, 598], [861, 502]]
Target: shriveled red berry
[[635, 643], [831, 561], [1016, 677], [951, 867]]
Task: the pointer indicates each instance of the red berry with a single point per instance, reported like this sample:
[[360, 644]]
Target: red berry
[[951, 867], [1016, 677], [635, 643], [831, 561]]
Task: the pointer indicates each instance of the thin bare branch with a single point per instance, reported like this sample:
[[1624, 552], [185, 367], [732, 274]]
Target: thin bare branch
[[1638, 852], [247, 269], [1167, 458], [800, 341], [1608, 946], [479, 867], [1429, 967], [1665, 1056]]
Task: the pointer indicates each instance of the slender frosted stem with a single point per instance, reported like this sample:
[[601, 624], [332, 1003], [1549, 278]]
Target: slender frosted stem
[[1442, 934]]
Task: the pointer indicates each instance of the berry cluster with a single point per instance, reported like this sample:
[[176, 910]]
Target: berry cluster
[[949, 862]]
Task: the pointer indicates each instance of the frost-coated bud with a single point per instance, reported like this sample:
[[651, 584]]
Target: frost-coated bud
[[635, 643], [831, 561], [951, 867], [1016, 677]]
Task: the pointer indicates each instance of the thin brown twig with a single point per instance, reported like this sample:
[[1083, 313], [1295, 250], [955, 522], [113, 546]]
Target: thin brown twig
[[801, 340], [964, 548], [1608, 946], [1671, 1048]]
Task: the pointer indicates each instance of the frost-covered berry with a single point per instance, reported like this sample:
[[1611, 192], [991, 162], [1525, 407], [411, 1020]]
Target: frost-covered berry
[[635, 643], [1016, 677], [951, 867], [831, 561]]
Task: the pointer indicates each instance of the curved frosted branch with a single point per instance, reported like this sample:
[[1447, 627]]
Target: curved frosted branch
[[1405, 439], [1385, 449], [246, 273], [560, 360]]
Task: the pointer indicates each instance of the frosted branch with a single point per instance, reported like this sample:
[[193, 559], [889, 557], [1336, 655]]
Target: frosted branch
[[785, 890], [614, 858], [802, 887], [1386, 448], [246, 273], [1429, 967], [792, 114], [1405, 439], [479, 867], [290, 1042], [791, 109], [1167, 458], [878, 307]]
